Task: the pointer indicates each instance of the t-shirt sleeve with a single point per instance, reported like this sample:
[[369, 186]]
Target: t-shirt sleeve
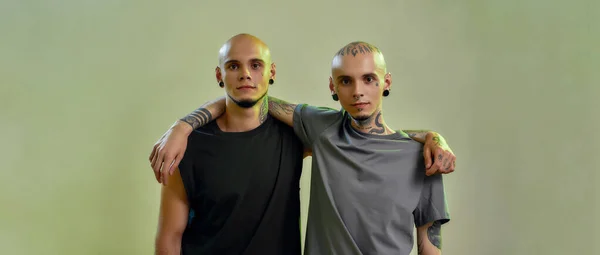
[[311, 121], [432, 204], [186, 168]]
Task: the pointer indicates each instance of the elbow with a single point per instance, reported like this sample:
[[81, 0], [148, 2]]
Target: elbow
[[168, 243]]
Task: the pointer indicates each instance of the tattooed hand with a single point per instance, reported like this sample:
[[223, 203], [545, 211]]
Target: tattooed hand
[[435, 148]]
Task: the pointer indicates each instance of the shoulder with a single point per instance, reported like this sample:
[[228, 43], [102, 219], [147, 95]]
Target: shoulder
[[307, 110], [283, 130], [406, 142], [201, 136]]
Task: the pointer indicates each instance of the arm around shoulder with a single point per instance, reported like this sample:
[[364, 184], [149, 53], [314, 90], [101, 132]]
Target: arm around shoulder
[[282, 110], [308, 121]]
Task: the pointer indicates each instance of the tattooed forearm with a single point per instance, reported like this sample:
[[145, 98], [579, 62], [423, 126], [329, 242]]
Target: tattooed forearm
[[198, 118], [282, 110], [280, 107], [416, 134], [434, 234]]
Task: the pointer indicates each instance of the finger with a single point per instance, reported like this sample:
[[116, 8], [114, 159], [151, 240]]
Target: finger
[[427, 156], [157, 176], [446, 165], [154, 169], [159, 161], [165, 174], [437, 163], [152, 165], [167, 162], [432, 170], [175, 164], [154, 158], [152, 153]]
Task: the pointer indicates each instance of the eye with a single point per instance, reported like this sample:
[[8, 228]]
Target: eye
[[233, 67], [256, 65], [369, 79], [345, 81]]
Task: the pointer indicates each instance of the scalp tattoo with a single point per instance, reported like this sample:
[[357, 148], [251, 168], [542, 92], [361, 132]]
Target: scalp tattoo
[[355, 48]]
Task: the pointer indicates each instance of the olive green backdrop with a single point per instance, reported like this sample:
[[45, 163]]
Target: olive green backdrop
[[87, 87]]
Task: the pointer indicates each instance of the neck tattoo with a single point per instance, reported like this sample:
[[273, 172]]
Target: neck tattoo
[[264, 110], [372, 125]]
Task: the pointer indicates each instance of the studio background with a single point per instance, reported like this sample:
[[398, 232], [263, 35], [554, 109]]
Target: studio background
[[87, 87]]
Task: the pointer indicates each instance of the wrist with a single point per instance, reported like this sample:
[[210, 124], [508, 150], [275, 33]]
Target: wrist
[[430, 135], [183, 127]]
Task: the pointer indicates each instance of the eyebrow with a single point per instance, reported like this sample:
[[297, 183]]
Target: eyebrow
[[374, 75], [341, 77], [251, 60]]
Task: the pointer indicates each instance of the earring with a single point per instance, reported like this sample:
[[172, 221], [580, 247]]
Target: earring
[[271, 81], [386, 92], [335, 97], [221, 84]]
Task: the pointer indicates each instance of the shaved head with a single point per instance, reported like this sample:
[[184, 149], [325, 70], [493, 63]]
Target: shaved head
[[244, 41], [357, 51], [245, 69]]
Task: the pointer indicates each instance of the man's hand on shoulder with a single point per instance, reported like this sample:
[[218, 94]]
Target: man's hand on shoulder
[[169, 150], [439, 158]]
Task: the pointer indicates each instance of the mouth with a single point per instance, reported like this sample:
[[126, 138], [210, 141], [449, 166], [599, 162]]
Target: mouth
[[244, 87], [360, 104]]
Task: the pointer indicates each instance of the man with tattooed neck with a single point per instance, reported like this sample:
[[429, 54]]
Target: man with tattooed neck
[[370, 185]]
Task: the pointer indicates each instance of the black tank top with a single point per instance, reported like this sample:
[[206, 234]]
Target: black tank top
[[243, 190]]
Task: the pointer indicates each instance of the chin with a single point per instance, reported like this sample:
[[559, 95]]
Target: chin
[[360, 116]]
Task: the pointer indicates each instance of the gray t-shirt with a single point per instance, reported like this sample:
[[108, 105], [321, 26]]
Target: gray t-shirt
[[368, 192]]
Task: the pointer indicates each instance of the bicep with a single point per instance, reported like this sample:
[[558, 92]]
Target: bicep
[[174, 207], [429, 238]]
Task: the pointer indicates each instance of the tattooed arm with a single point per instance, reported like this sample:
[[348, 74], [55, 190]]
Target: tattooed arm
[[170, 148], [206, 113], [282, 110], [429, 239], [436, 148]]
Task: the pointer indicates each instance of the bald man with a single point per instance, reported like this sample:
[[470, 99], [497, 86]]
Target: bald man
[[309, 125], [235, 190]]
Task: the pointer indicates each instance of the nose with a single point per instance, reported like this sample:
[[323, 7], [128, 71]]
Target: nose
[[357, 92], [245, 74]]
